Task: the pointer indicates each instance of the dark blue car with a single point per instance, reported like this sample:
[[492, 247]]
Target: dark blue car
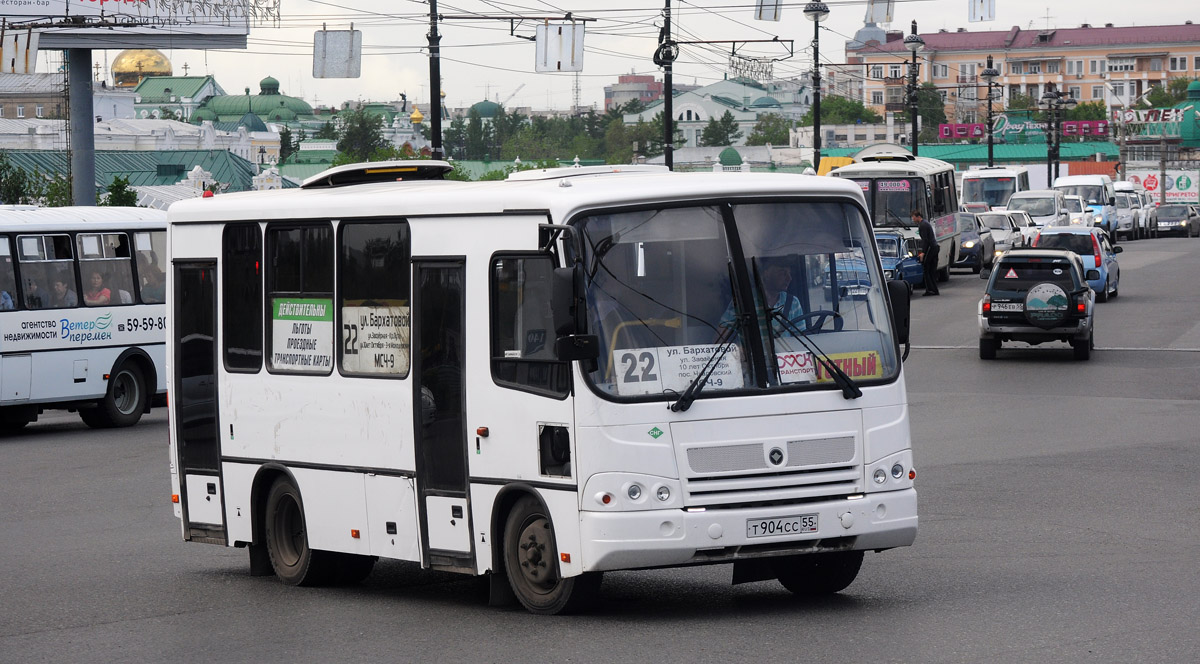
[[899, 257]]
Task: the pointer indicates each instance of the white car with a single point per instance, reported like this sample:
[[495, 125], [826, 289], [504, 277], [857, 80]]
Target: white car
[[1045, 206], [1025, 224], [1081, 214], [1128, 211], [1005, 232]]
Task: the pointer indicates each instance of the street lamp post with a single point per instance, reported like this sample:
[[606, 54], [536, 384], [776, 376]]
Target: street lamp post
[[816, 12], [989, 75], [1054, 104], [914, 43]]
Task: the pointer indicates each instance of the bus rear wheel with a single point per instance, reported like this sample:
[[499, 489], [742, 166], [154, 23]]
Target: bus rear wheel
[[122, 404], [531, 562], [287, 538], [817, 574]]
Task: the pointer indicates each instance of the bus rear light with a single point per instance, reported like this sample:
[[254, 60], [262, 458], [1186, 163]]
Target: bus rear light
[[175, 498], [354, 533], [912, 473], [604, 498], [565, 557], [482, 432], [106, 376]]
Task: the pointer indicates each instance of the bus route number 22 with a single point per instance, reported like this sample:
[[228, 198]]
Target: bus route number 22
[[639, 367]]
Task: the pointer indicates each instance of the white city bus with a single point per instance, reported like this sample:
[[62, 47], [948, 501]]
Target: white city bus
[[896, 183], [539, 379], [82, 313]]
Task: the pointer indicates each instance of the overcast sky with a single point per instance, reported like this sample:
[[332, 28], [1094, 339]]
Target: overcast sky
[[481, 58]]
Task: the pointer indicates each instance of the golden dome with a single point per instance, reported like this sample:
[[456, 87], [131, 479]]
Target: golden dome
[[417, 116], [132, 65]]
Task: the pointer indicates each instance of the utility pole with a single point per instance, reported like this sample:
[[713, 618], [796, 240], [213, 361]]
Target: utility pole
[[1162, 166], [665, 57], [82, 124], [435, 85]]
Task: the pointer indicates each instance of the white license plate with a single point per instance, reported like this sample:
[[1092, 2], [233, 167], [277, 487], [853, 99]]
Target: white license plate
[[1008, 306], [784, 525]]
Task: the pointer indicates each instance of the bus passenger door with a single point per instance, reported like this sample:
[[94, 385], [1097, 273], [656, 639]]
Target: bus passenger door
[[441, 440], [194, 398]]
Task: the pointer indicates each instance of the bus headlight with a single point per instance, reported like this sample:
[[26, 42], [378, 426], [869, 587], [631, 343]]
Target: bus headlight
[[880, 476], [897, 471], [663, 493], [635, 491]]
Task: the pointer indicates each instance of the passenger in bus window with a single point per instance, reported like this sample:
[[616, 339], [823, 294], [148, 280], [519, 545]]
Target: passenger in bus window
[[64, 296], [153, 284], [33, 295], [98, 294], [7, 291]]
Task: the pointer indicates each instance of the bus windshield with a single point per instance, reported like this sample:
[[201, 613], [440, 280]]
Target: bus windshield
[[993, 191], [661, 298], [1092, 193], [894, 201]]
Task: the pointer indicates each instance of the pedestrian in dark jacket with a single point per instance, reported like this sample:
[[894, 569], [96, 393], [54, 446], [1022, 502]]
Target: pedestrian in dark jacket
[[928, 252]]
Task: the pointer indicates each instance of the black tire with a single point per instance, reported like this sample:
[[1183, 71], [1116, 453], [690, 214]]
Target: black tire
[[943, 275], [287, 539], [124, 402], [818, 574], [987, 348], [531, 562], [1102, 296], [1082, 348]]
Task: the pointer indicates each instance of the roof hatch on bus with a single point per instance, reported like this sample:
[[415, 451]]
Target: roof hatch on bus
[[378, 171]]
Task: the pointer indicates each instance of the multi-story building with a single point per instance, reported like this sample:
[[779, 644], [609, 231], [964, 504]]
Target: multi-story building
[[630, 87], [32, 96], [1109, 64]]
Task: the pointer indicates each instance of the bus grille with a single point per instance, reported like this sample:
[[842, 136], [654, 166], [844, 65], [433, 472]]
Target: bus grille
[[743, 472]]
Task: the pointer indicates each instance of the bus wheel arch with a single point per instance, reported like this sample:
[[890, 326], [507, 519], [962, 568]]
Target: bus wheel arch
[[128, 395], [285, 534], [527, 553]]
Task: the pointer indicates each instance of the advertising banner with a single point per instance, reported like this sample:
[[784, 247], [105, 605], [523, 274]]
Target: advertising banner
[[51, 329], [1181, 186]]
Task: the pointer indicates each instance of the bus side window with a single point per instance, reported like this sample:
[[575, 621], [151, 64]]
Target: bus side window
[[300, 299], [373, 299], [523, 332], [241, 295], [47, 271], [104, 259], [8, 278], [150, 247]]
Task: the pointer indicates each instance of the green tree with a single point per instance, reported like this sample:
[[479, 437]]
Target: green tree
[[454, 138], [119, 194], [58, 191], [930, 106], [1169, 95], [1021, 102], [327, 132], [1088, 110], [287, 144], [839, 110], [771, 128], [361, 134], [17, 186], [618, 143], [476, 137], [720, 133]]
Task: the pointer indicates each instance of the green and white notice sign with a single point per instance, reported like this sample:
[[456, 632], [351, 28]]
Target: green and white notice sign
[[302, 334]]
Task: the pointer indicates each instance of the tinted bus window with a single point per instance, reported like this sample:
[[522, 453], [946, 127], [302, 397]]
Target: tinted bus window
[[47, 268], [373, 299], [104, 261], [241, 297], [300, 306]]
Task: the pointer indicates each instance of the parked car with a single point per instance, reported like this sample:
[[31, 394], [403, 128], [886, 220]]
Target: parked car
[[1094, 248], [1028, 226], [1045, 206], [899, 257], [1178, 218], [1035, 296], [1128, 212], [1005, 232], [1081, 214], [976, 246]]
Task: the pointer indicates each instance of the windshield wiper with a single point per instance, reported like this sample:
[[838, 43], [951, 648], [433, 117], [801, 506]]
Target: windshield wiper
[[850, 389], [724, 343], [898, 223]]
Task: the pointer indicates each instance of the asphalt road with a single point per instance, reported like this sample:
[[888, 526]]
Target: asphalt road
[[1059, 523]]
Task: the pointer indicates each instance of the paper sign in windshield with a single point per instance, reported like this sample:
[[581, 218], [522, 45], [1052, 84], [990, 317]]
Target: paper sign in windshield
[[892, 185], [796, 367], [672, 368], [858, 366]]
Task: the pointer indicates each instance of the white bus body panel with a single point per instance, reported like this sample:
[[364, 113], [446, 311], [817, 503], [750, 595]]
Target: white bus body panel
[[393, 500], [204, 499], [16, 376]]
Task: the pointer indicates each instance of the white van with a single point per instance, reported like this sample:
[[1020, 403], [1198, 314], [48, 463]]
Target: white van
[[1047, 207], [1100, 195], [993, 184]]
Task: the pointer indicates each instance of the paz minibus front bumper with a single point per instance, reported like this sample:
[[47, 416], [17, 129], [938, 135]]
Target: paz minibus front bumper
[[662, 538]]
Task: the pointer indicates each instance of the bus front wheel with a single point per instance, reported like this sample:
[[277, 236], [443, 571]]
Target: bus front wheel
[[817, 574], [122, 404], [287, 538], [531, 561]]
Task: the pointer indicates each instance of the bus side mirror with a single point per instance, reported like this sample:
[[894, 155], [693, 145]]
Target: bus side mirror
[[1112, 200], [900, 293], [567, 303]]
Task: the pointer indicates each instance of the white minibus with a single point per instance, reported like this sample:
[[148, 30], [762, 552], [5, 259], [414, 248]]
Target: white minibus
[[82, 313], [895, 184], [1100, 195], [539, 379], [993, 185]]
